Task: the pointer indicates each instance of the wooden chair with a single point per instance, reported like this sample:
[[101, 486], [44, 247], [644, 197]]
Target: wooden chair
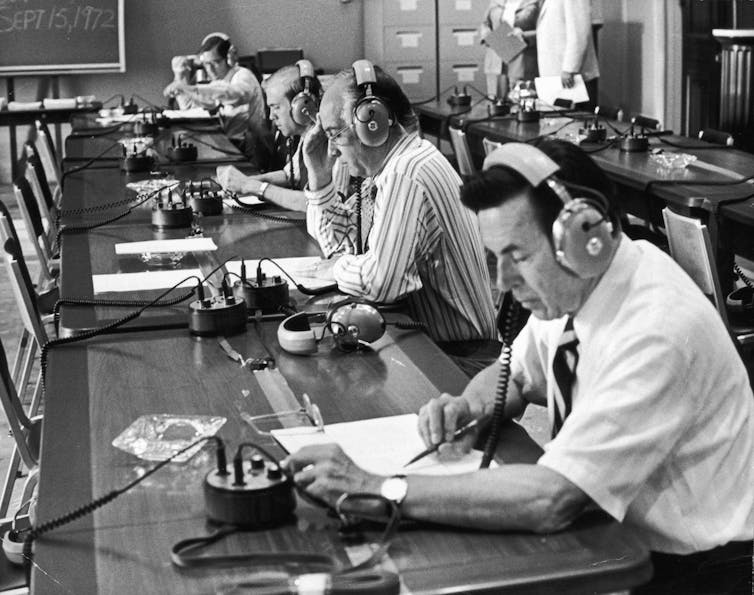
[[691, 248], [48, 154], [462, 152], [16, 378], [27, 204]]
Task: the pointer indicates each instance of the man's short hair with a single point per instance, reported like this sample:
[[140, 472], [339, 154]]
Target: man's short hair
[[215, 41], [387, 89], [491, 188], [290, 79]]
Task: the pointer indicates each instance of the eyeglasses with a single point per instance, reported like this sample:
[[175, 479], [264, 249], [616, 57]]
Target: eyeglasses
[[306, 420], [215, 62], [334, 136]]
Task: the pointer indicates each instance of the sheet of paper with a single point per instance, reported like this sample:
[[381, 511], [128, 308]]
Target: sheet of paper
[[382, 445], [158, 246], [504, 42], [549, 88], [250, 200], [195, 113], [119, 282], [298, 267]]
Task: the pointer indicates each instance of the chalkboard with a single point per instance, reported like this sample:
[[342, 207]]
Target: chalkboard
[[61, 36]]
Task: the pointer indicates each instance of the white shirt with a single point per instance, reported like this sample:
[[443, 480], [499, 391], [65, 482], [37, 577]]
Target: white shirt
[[423, 244], [661, 435], [564, 39]]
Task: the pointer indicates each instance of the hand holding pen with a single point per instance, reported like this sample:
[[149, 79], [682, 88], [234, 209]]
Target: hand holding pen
[[459, 433]]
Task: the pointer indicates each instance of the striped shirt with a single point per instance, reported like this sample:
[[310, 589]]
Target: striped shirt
[[423, 244]]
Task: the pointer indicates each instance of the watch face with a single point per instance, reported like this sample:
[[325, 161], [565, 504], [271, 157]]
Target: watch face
[[394, 488]]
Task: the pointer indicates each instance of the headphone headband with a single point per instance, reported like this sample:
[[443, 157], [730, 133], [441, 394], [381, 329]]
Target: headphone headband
[[223, 36], [305, 69], [524, 158]]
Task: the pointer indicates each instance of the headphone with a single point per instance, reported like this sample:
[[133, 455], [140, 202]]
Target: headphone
[[351, 322], [583, 234], [372, 118], [305, 105], [231, 58]]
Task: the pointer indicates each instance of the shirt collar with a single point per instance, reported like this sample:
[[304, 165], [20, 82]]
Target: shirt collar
[[609, 291], [387, 164]]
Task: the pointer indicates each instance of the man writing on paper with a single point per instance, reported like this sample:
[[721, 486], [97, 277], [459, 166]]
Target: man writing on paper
[[650, 404], [293, 96], [415, 240], [232, 88]]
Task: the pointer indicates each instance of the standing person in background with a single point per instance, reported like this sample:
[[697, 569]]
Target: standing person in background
[[522, 16], [231, 89], [565, 46]]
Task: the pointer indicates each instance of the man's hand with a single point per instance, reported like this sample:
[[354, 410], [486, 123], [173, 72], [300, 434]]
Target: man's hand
[[566, 79], [327, 473], [176, 88], [232, 180], [442, 416], [317, 157]]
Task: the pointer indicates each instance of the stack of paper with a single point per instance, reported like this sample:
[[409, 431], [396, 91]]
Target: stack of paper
[[382, 445], [160, 246]]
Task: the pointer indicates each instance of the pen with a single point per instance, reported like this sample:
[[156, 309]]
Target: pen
[[456, 435]]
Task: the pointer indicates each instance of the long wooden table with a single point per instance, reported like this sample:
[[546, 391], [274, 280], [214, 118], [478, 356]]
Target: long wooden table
[[644, 187], [97, 388]]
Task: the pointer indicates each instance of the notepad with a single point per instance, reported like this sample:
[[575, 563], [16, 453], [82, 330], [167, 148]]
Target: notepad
[[550, 88], [195, 113], [504, 42], [119, 282], [381, 445], [298, 267], [160, 246]]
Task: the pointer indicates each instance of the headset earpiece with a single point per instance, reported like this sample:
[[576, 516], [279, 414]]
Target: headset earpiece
[[352, 323], [584, 237], [372, 119], [232, 58], [304, 105]]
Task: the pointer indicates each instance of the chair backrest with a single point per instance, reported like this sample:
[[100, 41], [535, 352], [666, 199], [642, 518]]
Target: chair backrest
[[691, 248], [47, 153], [490, 145], [23, 429], [27, 204], [20, 279], [35, 169], [718, 137], [462, 152]]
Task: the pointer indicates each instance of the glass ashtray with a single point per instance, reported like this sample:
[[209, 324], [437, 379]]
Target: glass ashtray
[[162, 259], [672, 160], [158, 436]]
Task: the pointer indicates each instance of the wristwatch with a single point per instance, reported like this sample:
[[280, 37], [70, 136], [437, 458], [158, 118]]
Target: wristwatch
[[262, 189], [395, 489]]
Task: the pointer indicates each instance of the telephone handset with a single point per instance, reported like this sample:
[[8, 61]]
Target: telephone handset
[[509, 317]]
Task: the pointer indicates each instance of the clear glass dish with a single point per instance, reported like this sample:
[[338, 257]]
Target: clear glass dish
[[162, 259], [670, 160], [158, 436]]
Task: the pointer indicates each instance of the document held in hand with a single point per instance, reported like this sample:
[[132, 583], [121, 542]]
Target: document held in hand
[[381, 445], [504, 42], [550, 88]]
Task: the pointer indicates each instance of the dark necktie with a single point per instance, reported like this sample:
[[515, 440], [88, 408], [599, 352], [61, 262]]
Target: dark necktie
[[564, 371]]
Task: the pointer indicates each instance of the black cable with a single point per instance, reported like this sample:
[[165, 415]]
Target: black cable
[[254, 211], [82, 511], [100, 131], [434, 97], [571, 120], [157, 108], [301, 288], [501, 393], [491, 118], [743, 276], [78, 168]]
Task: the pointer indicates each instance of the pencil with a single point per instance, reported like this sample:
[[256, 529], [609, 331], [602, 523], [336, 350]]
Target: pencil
[[456, 435]]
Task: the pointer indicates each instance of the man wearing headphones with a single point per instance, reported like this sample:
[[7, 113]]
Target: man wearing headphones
[[405, 233], [293, 95], [650, 404], [232, 88]]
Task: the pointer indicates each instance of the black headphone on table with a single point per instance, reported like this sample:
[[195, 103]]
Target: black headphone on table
[[372, 118], [305, 105], [584, 235], [352, 323], [231, 57]]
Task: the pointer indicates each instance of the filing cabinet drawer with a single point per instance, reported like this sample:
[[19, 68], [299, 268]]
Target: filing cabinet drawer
[[417, 79], [409, 43], [407, 12], [462, 12], [459, 42], [460, 73]]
